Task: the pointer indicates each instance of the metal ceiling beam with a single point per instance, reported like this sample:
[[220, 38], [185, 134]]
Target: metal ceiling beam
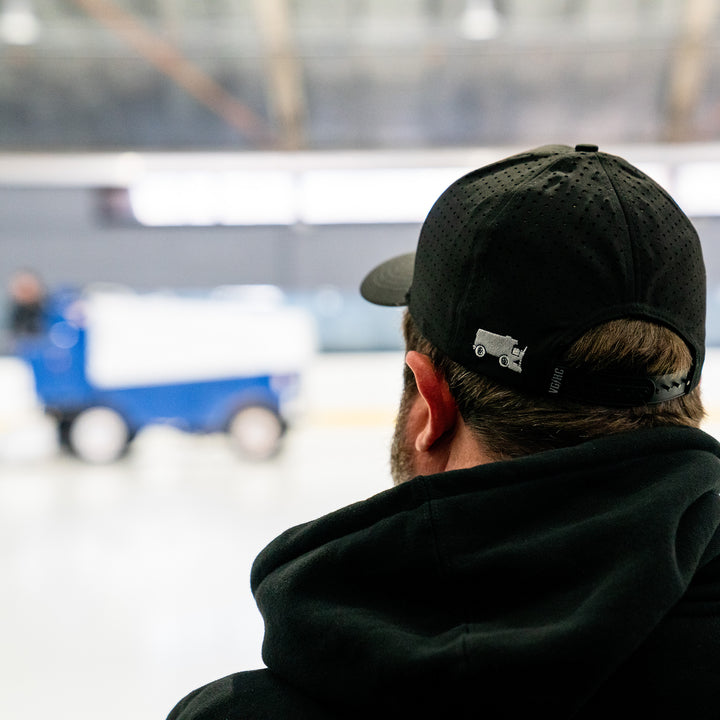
[[689, 68], [286, 96], [166, 58]]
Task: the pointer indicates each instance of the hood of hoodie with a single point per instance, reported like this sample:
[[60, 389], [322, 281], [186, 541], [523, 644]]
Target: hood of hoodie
[[503, 588]]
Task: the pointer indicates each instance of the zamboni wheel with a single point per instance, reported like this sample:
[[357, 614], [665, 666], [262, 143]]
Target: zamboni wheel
[[98, 435], [256, 432]]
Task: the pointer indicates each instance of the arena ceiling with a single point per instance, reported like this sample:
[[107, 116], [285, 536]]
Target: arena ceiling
[[329, 74]]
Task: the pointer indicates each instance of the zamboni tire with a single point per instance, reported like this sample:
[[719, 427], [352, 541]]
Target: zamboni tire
[[256, 432], [98, 435]]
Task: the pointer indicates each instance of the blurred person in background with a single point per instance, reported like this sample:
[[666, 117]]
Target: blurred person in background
[[551, 543], [27, 295]]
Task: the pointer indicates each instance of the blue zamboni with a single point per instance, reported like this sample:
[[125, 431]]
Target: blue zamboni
[[110, 362]]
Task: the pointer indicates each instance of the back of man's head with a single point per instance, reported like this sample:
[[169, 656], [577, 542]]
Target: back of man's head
[[510, 423], [562, 294]]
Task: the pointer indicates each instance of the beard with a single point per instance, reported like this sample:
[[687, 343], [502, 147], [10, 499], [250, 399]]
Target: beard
[[402, 467]]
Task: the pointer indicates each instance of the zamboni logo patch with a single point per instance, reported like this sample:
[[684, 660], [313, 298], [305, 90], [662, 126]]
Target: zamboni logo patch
[[505, 348]]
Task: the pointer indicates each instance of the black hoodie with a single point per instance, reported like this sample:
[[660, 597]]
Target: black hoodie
[[575, 582]]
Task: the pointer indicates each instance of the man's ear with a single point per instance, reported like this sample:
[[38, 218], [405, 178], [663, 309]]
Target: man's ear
[[438, 411]]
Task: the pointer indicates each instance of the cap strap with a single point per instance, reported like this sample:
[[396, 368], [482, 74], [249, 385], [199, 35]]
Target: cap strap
[[618, 390]]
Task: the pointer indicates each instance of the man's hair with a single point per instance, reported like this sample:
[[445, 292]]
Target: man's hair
[[512, 424]]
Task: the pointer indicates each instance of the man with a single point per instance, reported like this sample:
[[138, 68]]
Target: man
[[552, 541], [27, 304]]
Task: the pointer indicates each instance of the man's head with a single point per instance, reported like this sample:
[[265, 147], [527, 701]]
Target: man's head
[[559, 277]]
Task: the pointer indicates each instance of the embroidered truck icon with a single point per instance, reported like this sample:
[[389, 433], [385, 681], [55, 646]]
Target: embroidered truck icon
[[503, 347]]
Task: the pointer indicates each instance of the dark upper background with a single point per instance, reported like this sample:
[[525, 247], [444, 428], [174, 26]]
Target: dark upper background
[[360, 74], [238, 78]]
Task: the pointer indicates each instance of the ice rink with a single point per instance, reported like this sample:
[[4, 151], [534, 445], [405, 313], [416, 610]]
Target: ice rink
[[126, 586]]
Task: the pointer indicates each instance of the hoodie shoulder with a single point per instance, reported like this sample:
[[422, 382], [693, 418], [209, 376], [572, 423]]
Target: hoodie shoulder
[[251, 695]]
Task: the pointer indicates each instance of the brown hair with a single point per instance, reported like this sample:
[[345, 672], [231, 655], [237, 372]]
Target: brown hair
[[512, 424]]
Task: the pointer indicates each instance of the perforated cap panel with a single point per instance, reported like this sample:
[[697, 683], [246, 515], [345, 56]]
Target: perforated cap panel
[[518, 259]]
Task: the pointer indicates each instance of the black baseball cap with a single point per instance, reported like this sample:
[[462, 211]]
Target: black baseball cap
[[518, 259]]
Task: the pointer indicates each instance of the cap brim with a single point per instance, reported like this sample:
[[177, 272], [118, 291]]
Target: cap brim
[[389, 283]]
